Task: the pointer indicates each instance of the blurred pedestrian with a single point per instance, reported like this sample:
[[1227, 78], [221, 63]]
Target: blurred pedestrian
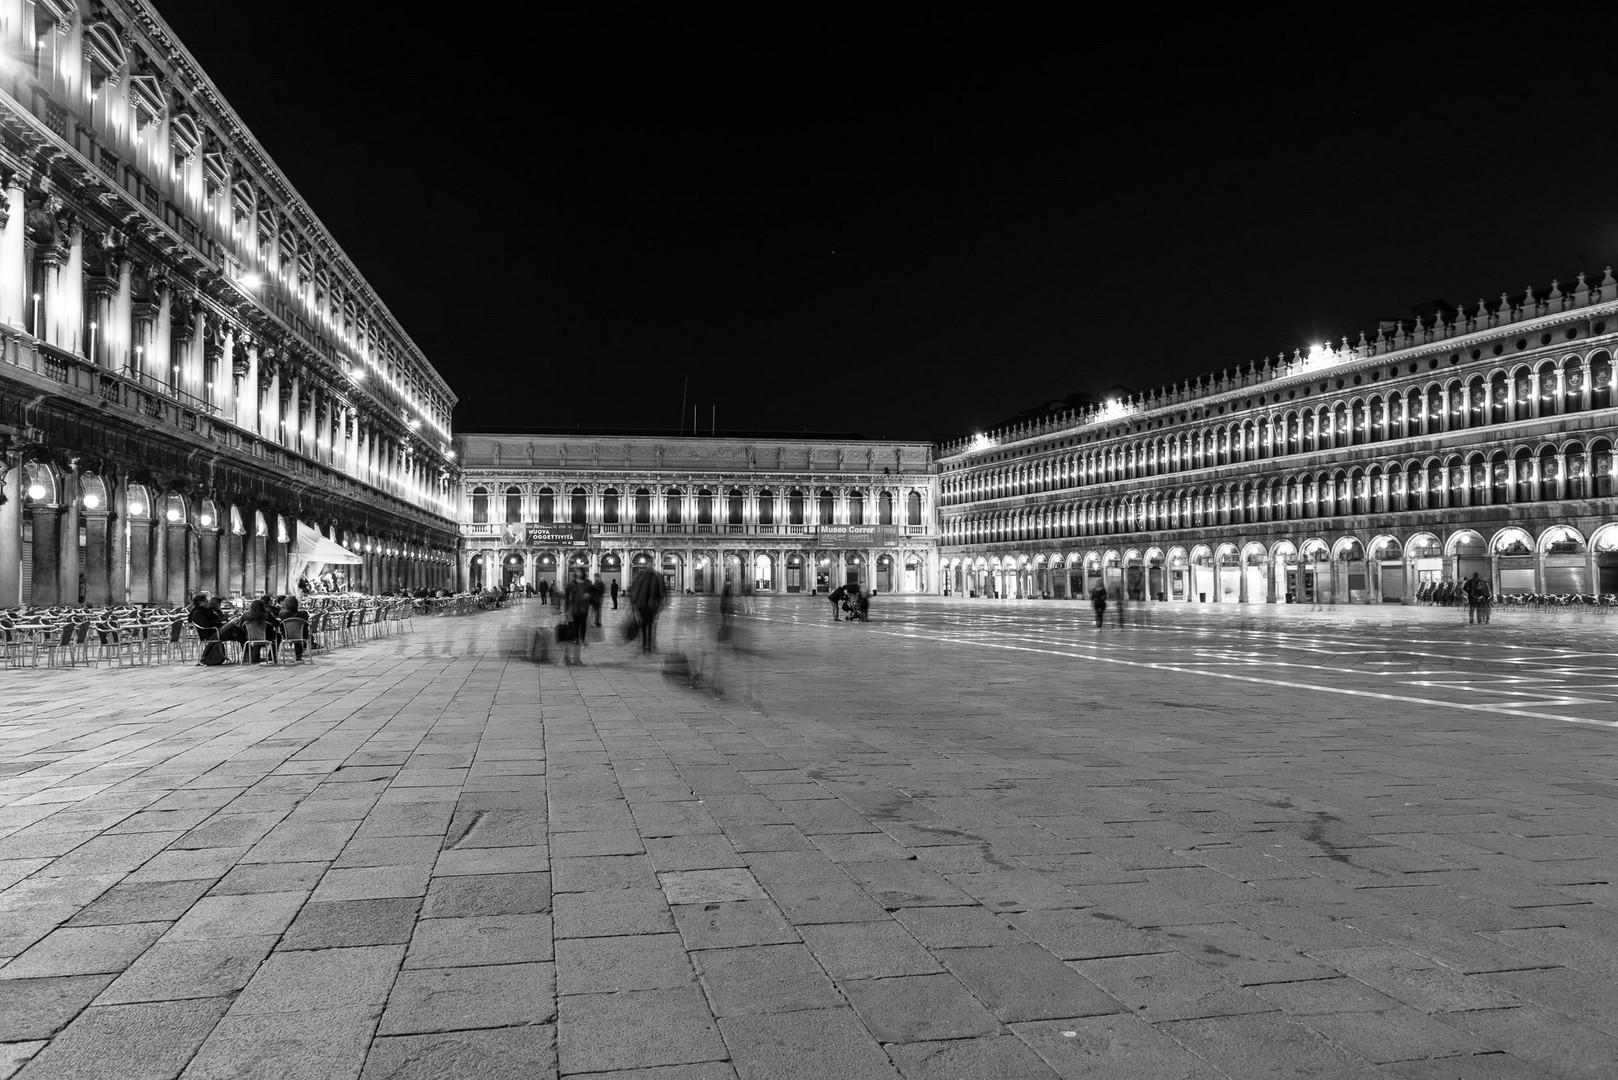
[[1098, 601], [614, 592], [598, 589], [646, 597], [837, 596], [578, 617]]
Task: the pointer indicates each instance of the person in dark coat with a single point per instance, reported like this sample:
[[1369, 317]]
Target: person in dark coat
[[646, 597], [837, 596], [614, 591], [1098, 600], [598, 589]]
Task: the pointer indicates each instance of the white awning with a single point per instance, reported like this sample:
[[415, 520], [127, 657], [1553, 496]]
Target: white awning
[[310, 546]]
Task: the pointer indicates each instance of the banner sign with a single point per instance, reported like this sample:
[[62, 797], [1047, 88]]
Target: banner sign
[[563, 534], [857, 535]]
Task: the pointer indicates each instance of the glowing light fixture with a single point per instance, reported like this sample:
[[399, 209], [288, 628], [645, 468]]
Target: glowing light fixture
[[92, 501], [36, 491], [981, 441], [173, 514], [205, 520], [251, 278], [136, 509]]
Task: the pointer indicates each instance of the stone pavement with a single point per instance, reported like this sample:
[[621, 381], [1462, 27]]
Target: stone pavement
[[967, 840]]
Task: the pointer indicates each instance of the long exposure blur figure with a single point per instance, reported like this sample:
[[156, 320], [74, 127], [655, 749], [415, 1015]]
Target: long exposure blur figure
[[577, 601], [646, 597], [837, 596]]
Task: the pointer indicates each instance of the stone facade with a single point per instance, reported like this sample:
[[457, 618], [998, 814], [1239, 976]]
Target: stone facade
[[768, 515], [191, 370], [1472, 440]]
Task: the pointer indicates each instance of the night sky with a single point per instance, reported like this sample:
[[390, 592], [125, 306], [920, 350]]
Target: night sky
[[909, 231]]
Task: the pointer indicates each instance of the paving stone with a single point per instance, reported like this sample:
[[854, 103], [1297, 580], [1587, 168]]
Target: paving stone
[[150, 1041], [832, 900], [14, 1055], [1024, 982], [188, 969], [807, 1046], [84, 950], [710, 886], [1000, 1056], [505, 860], [730, 925], [1399, 1034], [210, 863], [373, 883], [896, 884], [612, 913], [514, 1053], [918, 1008], [388, 851], [764, 978], [349, 923], [487, 894], [216, 917], [325, 980], [958, 927], [482, 939], [426, 1000], [867, 950], [636, 1029], [152, 901], [298, 1045], [600, 965], [1083, 935], [269, 878], [1415, 980], [1467, 1067], [681, 853], [39, 1008], [590, 873], [1117, 1046], [1242, 956], [1168, 986], [1547, 1040]]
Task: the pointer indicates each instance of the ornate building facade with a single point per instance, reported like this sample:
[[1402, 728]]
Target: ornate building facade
[[191, 370], [1469, 440], [763, 515]]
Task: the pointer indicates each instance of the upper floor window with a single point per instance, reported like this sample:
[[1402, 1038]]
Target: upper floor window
[[828, 503], [609, 506], [480, 506], [547, 506], [580, 504], [643, 506], [733, 509], [672, 502], [704, 507], [513, 504]]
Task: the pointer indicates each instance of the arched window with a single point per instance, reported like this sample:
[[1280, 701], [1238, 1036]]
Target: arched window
[[581, 502], [856, 508], [643, 506], [513, 504], [672, 501], [828, 502], [884, 510], [609, 506], [547, 506], [913, 508], [704, 507], [734, 505], [480, 506], [766, 508], [795, 508]]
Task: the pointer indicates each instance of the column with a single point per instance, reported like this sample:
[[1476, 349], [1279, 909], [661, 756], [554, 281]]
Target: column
[[140, 560], [14, 255], [46, 520], [12, 485], [98, 588]]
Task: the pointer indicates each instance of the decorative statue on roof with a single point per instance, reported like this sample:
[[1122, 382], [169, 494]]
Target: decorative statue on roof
[[497, 455], [530, 455]]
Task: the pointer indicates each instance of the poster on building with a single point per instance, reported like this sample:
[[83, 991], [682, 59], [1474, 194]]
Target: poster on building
[[856, 536], [563, 534]]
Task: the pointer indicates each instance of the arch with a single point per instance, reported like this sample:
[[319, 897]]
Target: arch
[[1511, 541], [92, 492], [1562, 538], [1604, 539], [1423, 545], [514, 503], [1283, 549], [1463, 538], [175, 508]]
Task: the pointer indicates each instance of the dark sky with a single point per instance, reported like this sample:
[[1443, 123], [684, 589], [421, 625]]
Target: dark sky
[[909, 231]]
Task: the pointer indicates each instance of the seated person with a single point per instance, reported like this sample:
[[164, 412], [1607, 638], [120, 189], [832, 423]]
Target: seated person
[[290, 610], [255, 632]]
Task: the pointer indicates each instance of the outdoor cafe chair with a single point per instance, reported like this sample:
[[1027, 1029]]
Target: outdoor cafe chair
[[55, 642], [116, 643], [294, 628]]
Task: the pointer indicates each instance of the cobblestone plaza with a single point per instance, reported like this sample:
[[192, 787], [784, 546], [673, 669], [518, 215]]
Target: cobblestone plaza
[[967, 839]]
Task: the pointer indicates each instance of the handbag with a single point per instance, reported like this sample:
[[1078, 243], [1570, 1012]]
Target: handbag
[[213, 654], [630, 628], [564, 632]]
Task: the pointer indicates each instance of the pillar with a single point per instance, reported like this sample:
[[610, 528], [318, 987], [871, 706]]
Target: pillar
[[14, 255], [140, 561], [46, 520], [11, 491], [98, 587]]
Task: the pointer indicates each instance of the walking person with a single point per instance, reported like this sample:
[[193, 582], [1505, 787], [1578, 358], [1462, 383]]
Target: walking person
[[646, 597], [1470, 588], [578, 617], [614, 592], [1484, 594], [598, 589], [1098, 601], [1122, 596]]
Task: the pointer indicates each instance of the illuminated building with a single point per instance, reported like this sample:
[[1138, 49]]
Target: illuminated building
[[1477, 440], [764, 515], [191, 370]]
